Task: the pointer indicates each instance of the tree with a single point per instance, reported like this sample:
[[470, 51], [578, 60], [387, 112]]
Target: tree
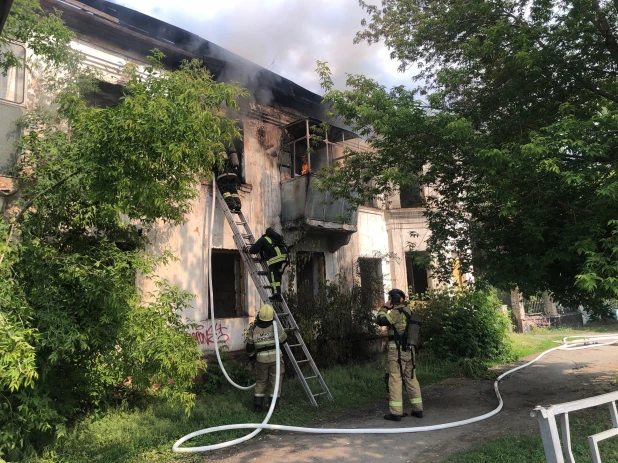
[[514, 128], [75, 331]]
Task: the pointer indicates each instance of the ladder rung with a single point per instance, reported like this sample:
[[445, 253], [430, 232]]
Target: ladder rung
[[256, 259], [294, 345], [246, 235], [319, 393], [310, 377], [302, 361], [240, 223]]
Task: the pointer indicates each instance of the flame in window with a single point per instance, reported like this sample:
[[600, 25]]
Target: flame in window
[[305, 168]]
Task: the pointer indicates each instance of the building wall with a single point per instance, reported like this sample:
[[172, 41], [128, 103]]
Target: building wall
[[380, 232]]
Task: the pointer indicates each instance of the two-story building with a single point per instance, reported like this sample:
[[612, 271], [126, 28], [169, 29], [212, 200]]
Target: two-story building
[[279, 156]]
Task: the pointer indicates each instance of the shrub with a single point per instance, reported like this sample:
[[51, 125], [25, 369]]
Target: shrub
[[464, 324], [336, 323]]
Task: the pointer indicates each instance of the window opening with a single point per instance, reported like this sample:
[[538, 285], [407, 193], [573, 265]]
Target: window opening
[[417, 276], [227, 283], [411, 196], [310, 271], [371, 281], [107, 95], [13, 83]]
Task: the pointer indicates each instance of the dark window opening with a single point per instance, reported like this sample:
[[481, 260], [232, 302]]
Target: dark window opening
[[227, 284], [239, 145], [310, 272], [417, 276], [371, 281], [107, 95], [411, 196]]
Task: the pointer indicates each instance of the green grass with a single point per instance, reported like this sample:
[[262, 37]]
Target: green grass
[[147, 434], [528, 448]]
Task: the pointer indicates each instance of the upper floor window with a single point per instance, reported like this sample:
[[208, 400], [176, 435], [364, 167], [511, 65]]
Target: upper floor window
[[307, 147], [411, 196], [12, 84]]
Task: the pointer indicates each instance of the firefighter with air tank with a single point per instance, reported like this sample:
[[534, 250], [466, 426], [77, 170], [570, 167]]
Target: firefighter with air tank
[[403, 330]]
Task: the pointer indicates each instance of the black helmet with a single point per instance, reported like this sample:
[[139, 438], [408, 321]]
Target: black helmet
[[397, 296]]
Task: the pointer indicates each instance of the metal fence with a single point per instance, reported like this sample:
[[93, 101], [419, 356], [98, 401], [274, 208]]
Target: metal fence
[[554, 453]]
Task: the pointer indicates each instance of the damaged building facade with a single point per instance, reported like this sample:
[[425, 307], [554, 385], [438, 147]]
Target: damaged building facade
[[279, 157]]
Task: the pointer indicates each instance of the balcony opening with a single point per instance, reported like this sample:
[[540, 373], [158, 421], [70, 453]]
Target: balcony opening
[[417, 276], [307, 147], [227, 283], [310, 271]]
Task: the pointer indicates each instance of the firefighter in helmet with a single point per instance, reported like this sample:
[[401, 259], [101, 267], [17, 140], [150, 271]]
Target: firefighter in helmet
[[273, 250], [227, 179], [403, 327], [260, 343]]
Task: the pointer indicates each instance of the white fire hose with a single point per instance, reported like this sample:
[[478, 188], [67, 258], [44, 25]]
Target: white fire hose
[[578, 343]]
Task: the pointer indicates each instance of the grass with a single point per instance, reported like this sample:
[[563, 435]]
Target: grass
[[124, 435], [146, 434], [528, 448]]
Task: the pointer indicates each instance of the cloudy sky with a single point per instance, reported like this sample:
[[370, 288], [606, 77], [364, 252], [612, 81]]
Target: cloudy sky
[[285, 36]]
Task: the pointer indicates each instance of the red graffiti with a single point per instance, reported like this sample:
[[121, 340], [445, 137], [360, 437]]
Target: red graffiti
[[206, 336]]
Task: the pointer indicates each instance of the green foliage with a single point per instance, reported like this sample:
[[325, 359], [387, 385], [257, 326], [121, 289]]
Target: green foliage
[[336, 322], [76, 333], [465, 324], [515, 136], [44, 34]]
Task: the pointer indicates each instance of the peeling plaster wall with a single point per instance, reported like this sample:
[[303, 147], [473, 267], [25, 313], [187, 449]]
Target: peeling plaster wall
[[380, 232]]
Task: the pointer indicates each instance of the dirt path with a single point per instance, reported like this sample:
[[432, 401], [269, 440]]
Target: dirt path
[[558, 377]]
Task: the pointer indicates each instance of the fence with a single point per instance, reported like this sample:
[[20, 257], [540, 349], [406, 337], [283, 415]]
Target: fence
[[549, 428]]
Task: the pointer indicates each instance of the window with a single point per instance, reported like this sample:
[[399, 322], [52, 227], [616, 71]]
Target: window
[[417, 276], [306, 148], [105, 96], [239, 145], [411, 196], [227, 283], [371, 281], [310, 271], [12, 84]]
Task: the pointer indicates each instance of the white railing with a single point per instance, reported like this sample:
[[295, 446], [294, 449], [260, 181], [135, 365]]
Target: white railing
[[549, 428]]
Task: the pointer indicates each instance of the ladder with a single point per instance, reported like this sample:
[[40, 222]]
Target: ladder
[[295, 348]]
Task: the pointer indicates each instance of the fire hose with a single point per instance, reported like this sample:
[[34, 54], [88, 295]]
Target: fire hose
[[577, 343]]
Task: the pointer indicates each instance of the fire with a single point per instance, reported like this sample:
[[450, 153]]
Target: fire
[[305, 169]]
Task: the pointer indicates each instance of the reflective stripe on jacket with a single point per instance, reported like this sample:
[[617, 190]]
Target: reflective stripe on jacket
[[276, 250]]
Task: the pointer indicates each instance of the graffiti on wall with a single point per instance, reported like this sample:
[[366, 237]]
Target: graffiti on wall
[[207, 335]]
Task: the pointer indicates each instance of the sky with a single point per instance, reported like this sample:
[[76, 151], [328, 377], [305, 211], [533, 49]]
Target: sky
[[285, 36]]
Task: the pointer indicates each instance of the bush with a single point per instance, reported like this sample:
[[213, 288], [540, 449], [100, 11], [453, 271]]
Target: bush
[[464, 324], [334, 324]]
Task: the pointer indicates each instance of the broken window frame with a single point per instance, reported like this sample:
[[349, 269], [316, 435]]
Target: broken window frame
[[413, 287], [306, 140]]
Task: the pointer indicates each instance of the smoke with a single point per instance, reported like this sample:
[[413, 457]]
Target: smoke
[[285, 36]]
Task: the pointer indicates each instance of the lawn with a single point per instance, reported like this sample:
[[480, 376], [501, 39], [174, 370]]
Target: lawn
[[146, 434]]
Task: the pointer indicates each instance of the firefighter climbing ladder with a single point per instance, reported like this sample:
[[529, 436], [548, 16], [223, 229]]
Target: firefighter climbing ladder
[[259, 273]]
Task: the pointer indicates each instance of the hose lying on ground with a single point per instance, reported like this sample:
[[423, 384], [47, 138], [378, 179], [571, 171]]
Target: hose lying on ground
[[577, 344]]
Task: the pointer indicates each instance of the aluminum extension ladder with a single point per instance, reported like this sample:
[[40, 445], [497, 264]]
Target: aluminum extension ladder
[[258, 269]]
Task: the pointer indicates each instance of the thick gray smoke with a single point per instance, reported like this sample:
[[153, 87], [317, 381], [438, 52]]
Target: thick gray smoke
[[285, 36]]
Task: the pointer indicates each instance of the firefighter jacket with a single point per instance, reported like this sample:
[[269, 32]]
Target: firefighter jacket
[[228, 175], [396, 322], [260, 341], [269, 250]]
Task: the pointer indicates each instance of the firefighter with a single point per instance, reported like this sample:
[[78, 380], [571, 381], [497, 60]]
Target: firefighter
[[401, 359], [273, 250], [227, 179], [260, 344]]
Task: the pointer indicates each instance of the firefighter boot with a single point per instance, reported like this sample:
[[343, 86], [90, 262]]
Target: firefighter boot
[[257, 404], [391, 417], [416, 414]]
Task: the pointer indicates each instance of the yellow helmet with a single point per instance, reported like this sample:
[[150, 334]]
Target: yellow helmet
[[266, 313]]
